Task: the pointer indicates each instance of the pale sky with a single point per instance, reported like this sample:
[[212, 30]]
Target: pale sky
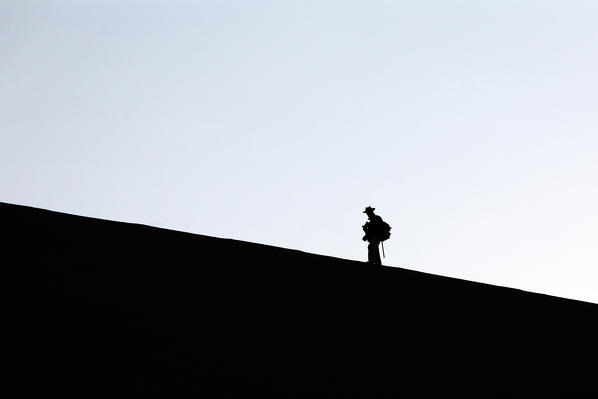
[[470, 125]]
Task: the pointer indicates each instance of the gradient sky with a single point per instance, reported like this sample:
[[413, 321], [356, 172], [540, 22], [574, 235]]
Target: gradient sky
[[470, 125]]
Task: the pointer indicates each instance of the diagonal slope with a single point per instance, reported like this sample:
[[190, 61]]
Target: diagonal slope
[[94, 307]]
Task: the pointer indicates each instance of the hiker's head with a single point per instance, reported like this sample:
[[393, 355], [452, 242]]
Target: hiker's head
[[369, 211]]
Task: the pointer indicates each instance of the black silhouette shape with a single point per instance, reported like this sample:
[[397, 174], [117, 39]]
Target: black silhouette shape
[[92, 307], [376, 231]]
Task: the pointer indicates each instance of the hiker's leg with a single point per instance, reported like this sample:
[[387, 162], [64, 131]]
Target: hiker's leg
[[371, 256], [376, 252]]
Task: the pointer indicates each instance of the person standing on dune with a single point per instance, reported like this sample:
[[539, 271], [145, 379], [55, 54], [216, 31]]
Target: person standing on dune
[[376, 231]]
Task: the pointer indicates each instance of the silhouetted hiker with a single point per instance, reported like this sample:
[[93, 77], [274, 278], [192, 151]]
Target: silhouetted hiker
[[376, 231]]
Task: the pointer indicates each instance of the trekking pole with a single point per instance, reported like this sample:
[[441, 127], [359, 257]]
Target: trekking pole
[[384, 256]]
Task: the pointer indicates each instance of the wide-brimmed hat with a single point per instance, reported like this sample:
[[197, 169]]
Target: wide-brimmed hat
[[369, 209]]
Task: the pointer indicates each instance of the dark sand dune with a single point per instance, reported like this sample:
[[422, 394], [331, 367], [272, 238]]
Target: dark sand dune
[[94, 308]]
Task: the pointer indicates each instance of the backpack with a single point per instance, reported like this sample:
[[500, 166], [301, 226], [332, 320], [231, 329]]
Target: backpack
[[378, 228], [384, 231]]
